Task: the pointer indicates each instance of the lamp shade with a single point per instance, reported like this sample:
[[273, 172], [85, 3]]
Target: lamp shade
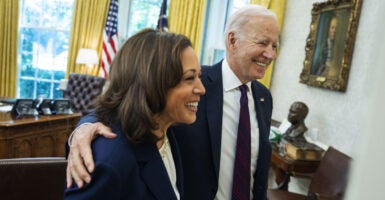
[[87, 56]]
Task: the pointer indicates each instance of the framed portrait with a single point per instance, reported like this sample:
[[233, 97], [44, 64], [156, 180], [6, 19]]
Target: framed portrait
[[330, 43]]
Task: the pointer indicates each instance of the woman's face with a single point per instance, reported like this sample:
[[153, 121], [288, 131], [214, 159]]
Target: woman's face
[[182, 100]]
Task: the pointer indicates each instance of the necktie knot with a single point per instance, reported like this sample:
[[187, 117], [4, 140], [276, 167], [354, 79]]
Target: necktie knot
[[243, 100], [243, 89]]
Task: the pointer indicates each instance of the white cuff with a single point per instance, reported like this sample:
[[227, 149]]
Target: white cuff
[[75, 132]]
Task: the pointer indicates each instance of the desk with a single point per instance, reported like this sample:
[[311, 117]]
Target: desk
[[40, 136], [284, 167]]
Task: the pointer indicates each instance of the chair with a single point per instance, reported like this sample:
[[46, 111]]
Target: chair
[[32, 178], [328, 182], [82, 90]]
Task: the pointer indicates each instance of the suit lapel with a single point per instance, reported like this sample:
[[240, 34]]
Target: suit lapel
[[259, 101], [214, 107], [153, 172]]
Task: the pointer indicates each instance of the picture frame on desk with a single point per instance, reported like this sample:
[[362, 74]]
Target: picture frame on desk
[[61, 106], [330, 43], [24, 107]]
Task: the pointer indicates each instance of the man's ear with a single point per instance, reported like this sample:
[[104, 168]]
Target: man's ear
[[230, 37]]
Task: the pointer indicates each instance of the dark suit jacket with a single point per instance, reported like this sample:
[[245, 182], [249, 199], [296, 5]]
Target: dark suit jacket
[[200, 143], [124, 170]]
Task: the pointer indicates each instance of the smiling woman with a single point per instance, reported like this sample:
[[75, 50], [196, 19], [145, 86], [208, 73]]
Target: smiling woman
[[154, 84]]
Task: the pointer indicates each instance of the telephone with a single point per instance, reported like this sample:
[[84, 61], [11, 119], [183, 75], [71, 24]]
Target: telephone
[[44, 107]]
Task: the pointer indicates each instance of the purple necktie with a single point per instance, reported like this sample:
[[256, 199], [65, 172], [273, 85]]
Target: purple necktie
[[241, 175]]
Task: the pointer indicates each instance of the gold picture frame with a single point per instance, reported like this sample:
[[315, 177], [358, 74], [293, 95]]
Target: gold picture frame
[[330, 43]]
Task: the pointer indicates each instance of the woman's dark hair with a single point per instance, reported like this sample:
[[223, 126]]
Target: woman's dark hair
[[146, 67]]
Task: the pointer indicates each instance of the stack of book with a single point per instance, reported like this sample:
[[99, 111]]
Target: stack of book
[[304, 151]]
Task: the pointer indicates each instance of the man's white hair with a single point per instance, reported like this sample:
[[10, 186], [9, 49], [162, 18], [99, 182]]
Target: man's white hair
[[239, 18]]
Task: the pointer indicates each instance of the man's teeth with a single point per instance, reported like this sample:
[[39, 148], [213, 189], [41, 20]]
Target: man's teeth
[[260, 64]]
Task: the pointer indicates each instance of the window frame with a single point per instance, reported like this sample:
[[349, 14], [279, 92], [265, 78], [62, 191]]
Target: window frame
[[38, 29]]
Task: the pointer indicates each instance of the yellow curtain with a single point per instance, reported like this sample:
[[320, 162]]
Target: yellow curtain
[[278, 7], [9, 20], [87, 32], [187, 17]]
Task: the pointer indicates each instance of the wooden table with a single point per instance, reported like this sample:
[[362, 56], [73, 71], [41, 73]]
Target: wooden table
[[284, 167], [35, 136]]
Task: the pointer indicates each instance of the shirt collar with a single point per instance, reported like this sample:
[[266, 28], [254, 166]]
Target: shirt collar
[[230, 80]]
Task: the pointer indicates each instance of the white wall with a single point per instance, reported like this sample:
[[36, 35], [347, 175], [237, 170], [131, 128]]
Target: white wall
[[338, 115], [367, 177]]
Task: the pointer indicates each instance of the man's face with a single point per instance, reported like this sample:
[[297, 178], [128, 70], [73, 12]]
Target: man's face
[[332, 28], [251, 52]]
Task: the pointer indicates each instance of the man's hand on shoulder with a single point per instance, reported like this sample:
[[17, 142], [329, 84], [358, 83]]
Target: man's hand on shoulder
[[80, 160]]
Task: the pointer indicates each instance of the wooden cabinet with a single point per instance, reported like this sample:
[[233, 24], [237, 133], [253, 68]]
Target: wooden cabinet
[[38, 136], [284, 167]]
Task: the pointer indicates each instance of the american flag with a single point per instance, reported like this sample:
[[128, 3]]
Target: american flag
[[162, 21], [110, 38]]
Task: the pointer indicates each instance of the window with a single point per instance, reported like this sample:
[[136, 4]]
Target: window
[[135, 15], [213, 46], [44, 31], [237, 4]]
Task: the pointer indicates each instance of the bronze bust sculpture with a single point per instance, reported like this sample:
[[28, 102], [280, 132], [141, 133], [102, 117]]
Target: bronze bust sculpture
[[297, 114]]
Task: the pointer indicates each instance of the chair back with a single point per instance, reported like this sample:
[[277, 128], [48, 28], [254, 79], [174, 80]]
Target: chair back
[[40, 178], [82, 90], [332, 175]]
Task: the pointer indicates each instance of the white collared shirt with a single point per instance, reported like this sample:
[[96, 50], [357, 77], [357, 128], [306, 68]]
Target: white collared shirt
[[168, 161], [230, 120]]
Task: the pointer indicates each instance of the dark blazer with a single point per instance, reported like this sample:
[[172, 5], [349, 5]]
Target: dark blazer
[[124, 170], [200, 143]]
